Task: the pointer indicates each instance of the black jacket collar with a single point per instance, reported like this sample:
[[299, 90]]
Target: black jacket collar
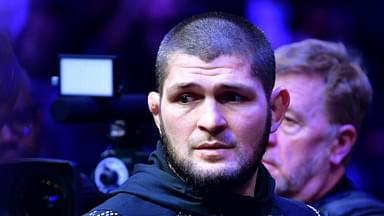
[[157, 183]]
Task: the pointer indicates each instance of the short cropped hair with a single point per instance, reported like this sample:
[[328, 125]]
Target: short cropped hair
[[214, 34], [348, 90]]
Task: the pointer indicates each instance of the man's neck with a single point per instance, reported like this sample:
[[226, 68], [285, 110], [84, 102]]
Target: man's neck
[[316, 190], [247, 189]]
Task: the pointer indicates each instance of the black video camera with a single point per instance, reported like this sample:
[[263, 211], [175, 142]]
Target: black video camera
[[90, 90], [39, 187]]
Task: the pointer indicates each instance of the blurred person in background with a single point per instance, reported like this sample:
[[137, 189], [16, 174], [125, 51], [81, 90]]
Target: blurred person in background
[[18, 113], [308, 154], [20, 121]]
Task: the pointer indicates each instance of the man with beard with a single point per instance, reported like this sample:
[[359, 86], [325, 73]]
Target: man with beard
[[18, 114], [307, 155], [214, 109]]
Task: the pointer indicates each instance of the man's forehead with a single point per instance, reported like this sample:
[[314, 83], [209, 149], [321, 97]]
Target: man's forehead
[[306, 92], [186, 58], [229, 69], [222, 65], [301, 80]]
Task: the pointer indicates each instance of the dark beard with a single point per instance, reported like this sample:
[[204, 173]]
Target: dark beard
[[219, 181]]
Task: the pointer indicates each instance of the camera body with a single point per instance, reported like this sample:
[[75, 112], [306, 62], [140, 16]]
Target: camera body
[[90, 90], [39, 187]]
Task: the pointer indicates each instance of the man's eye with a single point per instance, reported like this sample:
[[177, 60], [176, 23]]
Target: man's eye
[[289, 120], [290, 125], [185, 98], [231, 98]]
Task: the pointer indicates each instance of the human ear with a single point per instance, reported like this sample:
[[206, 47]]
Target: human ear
[[279, 105], [154, 107], [342, 146]]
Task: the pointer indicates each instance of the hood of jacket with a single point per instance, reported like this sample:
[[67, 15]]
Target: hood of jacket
[[157, 183]]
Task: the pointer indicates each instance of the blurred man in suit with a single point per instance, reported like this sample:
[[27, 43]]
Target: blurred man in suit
[[307, 155]]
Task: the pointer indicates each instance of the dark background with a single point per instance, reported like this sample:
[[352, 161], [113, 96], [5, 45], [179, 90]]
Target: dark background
[[41, 29]]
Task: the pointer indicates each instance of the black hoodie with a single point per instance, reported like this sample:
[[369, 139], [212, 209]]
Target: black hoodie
[[154, 189]]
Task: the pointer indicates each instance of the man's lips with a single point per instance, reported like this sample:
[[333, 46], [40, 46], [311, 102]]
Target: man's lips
[[213, 146], [268, 163], [214, 151]]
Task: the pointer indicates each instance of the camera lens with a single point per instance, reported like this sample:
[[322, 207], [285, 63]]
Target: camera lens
[[109, 177], [110, 173], [42, 194]]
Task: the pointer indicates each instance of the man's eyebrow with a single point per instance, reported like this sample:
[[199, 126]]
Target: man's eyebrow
[[227, 87], [236, 87], [184, 85], [174, 88]]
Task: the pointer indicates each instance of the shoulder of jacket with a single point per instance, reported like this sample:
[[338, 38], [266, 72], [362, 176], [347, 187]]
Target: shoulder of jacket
[[124, 204], [102, 212], [292, 207], [356, 202]]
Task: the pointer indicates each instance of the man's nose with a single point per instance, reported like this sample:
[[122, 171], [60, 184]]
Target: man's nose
[[212, 119]]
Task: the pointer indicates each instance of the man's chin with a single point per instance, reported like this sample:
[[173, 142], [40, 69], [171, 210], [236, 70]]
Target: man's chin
[[213, 171], [282, 188], [214, 180], [214, 164]]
